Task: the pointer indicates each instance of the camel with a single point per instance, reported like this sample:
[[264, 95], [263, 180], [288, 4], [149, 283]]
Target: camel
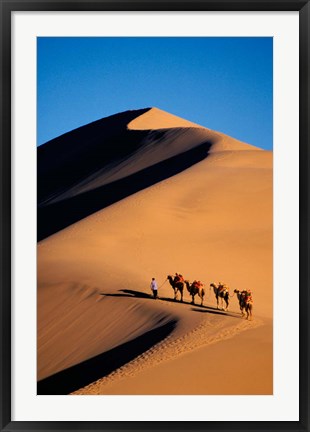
[[221, 292], [245, 303], [249, 309], [177, 285], [241, 301], [194, 289]]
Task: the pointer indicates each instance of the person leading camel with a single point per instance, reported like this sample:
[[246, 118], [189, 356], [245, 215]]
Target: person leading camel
[[154, 288]]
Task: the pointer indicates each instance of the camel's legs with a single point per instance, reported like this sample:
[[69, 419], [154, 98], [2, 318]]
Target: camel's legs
[[222, 303], [248, 310]]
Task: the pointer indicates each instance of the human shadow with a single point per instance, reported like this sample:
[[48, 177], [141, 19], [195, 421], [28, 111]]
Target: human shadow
[[140, 294], [88, 371], [128, 293]]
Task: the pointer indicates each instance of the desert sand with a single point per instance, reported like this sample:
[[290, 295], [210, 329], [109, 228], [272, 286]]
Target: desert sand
[[146, 194]]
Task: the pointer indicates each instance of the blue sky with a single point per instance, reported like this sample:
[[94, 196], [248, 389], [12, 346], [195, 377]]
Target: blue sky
[[223, 83]]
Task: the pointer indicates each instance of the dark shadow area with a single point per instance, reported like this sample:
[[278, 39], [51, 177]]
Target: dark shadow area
[[68, 158], [78, 376], [57, 216], [172, 300], [139, 294], [215, 311]]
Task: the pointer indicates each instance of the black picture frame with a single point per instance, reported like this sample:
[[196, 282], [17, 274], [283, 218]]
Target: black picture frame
[[9, 6]]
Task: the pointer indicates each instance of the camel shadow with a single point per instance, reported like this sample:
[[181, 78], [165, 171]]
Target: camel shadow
[[140, 294], [215, 311], [172, 300]]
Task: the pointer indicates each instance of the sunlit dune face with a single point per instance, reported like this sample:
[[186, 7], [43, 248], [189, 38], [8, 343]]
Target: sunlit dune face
[[158, 119]]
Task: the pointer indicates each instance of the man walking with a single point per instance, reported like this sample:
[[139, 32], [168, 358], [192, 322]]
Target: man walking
[[154, 287]]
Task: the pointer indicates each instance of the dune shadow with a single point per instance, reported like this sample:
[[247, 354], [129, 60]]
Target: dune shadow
[[88, 371], [90, 149], [55, 217]]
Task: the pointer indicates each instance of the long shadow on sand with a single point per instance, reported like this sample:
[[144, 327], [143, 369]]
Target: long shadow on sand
[[140, 294], [196, 307], [82, 374], [215, 311], [129, 293]]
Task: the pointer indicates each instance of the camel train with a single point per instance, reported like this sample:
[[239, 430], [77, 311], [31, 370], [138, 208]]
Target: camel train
[[221, 292]]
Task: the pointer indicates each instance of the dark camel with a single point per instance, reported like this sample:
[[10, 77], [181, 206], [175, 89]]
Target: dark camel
[[177, 286], [221, 292], [194, 289], [245, 303]]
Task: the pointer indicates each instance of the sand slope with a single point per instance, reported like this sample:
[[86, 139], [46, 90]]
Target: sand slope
[[211, 220]]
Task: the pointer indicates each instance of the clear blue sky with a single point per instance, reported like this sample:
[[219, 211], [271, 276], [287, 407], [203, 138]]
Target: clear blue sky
[[223, 83]]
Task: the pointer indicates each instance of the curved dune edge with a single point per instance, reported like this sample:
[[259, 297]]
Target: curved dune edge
[[79, 375], [156, 118], [77, 322], [240, 365], [171, 348], [154, 149]]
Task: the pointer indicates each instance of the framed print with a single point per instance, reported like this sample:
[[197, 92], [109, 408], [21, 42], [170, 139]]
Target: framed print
[[154, 205]]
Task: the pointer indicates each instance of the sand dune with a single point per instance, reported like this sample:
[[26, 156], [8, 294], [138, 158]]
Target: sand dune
[[170, 196]]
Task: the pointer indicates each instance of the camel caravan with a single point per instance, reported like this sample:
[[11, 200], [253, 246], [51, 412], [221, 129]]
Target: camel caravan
[[221, 292]]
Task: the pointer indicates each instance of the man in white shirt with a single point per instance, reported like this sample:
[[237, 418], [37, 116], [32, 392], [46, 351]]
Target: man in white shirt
[[154, 287]]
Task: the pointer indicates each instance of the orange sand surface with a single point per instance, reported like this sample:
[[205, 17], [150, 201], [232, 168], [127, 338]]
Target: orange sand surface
[[99, 329]]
